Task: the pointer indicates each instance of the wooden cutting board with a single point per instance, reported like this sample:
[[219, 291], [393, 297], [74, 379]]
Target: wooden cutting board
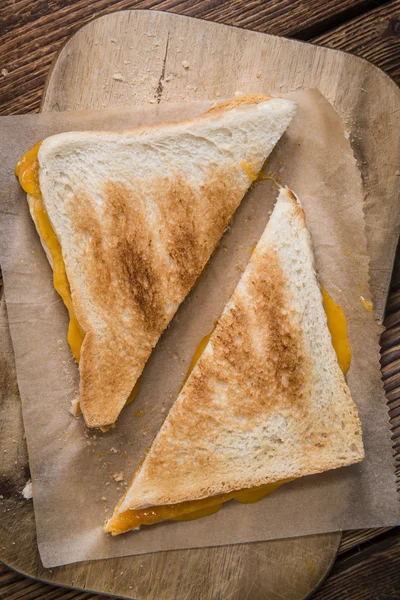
[[136, 57]]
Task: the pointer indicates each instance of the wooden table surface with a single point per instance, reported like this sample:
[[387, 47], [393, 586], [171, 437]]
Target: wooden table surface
[[32, 31]]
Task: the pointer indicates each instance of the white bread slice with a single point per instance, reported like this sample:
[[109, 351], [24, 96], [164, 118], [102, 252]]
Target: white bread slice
[[137, 215], [267, 400]]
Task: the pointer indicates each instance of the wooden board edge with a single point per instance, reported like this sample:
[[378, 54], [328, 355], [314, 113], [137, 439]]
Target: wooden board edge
[[59, 583], [293, 41], [337, 534]]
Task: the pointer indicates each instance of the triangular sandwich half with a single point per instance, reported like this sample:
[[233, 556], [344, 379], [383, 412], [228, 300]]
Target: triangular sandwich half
[[266, 402], [129, 221]]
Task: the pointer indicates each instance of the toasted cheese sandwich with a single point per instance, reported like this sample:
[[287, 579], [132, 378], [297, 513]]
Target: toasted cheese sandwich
[[129, 220], [266, 402]]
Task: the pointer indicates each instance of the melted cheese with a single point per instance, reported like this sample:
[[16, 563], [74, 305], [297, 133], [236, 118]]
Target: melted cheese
[[248, 169], [27, 170], [254, 176], [367, 304], [197, 353], [187, 511], [337, 325]]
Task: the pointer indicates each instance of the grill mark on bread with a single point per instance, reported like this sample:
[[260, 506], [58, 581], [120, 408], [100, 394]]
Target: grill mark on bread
[[131, 257], [221, 197], [284, 338], [189, 239], [128, 272], [177, 204], [277, 373]]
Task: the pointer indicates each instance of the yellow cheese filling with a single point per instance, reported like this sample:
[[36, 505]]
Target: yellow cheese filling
[[337, 326], [367, 304], [27, 170], [187, 511]]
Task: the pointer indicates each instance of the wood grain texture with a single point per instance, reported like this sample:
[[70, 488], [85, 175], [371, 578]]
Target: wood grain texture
[[374, 36], [18, 588], [371, 573], [33, 30], [390, 367], [355, 539], [13, 586]]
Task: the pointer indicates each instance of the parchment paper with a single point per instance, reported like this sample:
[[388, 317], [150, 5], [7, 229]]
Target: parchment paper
[[79, 475]]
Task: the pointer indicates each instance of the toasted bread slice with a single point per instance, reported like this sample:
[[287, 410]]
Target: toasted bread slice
[[267, 400], [137, 215]]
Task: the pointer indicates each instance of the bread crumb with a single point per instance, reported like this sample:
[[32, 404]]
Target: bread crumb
[[27, 491], [258, 74], [75, 409], [185, 64], [118, 77], [114, 450], [4, 72], [118, 476]]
